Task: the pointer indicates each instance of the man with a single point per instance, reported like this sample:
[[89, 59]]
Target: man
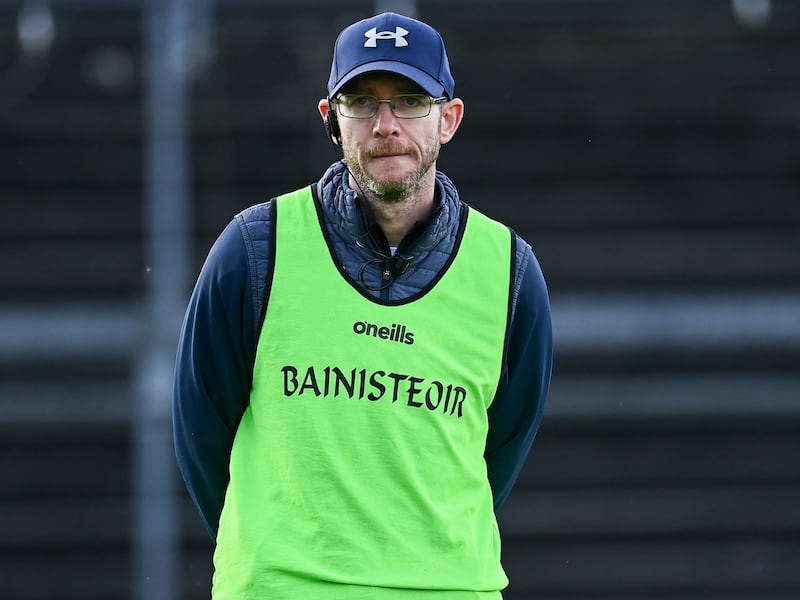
[[364, 362]]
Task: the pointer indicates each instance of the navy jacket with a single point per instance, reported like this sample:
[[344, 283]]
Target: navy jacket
[[216, 351]]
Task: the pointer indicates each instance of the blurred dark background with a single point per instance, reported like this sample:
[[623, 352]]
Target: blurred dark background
[[648, 150]]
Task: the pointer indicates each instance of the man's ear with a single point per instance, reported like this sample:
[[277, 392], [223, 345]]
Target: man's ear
[[452, 114], [330, 121], [323, 107]]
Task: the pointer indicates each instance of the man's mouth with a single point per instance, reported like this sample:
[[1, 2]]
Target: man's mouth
[[387, 153]]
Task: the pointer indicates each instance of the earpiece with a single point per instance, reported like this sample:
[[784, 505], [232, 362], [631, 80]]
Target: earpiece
[[332, 127]]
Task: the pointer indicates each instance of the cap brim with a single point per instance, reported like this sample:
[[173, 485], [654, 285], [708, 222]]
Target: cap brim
[[421, 78]]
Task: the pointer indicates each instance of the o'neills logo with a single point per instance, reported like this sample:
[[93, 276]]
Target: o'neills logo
[[395, 333]]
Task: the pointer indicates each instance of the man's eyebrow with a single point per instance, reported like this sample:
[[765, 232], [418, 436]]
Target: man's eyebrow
[[376, 95], [368, 89]]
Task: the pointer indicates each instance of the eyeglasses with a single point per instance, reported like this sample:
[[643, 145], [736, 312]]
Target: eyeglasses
[[403, 106]]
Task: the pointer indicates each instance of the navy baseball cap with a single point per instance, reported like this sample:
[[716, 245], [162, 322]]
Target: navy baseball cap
[[393, 43]]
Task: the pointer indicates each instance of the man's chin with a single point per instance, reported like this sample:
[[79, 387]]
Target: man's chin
[[390, 192], [390, 187]]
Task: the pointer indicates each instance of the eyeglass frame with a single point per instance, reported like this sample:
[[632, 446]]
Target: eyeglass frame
[[390, 101]]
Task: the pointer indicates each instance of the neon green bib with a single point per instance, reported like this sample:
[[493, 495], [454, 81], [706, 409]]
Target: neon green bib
[[357, 471]]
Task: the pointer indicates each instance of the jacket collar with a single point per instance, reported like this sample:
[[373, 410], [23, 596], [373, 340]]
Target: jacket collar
[[344, 213]]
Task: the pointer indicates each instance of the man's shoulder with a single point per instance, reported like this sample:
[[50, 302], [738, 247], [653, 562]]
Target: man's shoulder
[[262, 213], [256, 214]]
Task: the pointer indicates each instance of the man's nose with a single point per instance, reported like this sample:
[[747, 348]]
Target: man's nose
[[385, 121]]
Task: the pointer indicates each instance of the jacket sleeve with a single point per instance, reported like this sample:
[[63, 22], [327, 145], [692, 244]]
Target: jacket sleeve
[[517, 409], [213, 372]]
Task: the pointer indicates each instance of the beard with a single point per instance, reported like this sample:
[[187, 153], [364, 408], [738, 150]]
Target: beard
[[390, 186]]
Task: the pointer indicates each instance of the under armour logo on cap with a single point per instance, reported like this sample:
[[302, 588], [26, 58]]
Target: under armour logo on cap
[[373, 36], [392, 43]]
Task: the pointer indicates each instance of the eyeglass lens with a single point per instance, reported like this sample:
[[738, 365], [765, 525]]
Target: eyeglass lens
[[403, 106]]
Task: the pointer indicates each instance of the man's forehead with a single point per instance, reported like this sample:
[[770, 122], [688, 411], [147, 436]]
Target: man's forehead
[[369, 81]]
